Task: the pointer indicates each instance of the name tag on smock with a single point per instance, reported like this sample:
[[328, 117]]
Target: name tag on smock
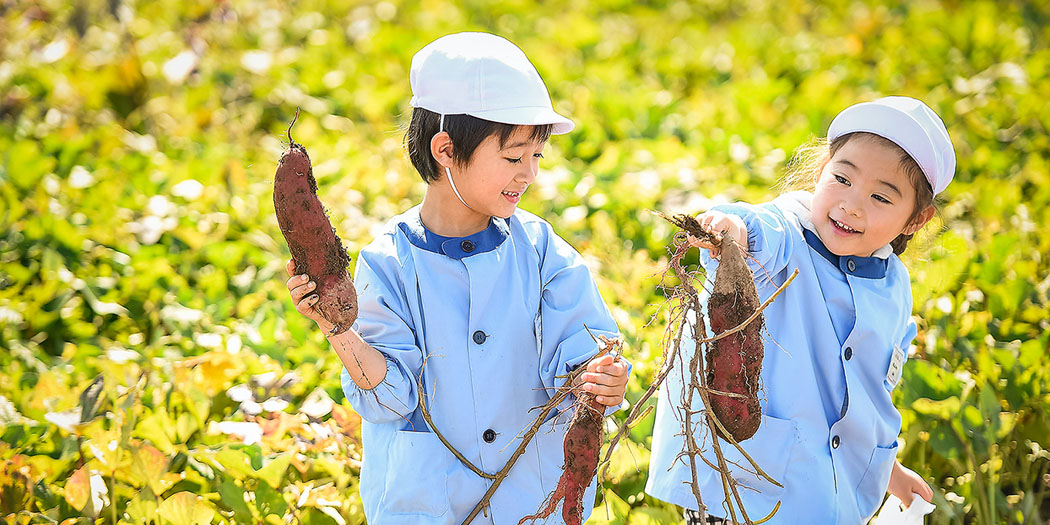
[[896, 364]]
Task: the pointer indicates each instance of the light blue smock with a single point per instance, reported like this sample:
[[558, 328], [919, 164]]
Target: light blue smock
[[829, 428], [497, 315]]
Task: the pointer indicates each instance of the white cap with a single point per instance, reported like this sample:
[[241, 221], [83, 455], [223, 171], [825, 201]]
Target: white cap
[[485, 76], [911, 125]]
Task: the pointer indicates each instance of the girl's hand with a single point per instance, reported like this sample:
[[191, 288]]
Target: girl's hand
[[904, 482], [606, 378], [301, 288], [720, 224]]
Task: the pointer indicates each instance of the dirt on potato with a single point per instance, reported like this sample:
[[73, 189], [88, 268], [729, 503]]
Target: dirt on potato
[[316, 249]]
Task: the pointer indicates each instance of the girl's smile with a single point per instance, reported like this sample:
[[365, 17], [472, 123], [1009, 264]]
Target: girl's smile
[[864, 199]]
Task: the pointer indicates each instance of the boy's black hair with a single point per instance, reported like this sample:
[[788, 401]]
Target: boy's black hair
[[467, 134]]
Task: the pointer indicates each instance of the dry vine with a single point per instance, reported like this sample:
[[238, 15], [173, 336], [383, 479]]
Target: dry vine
[[685, 307]]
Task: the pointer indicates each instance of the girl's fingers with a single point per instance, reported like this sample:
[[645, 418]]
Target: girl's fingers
[[290, 267], [602, 390]]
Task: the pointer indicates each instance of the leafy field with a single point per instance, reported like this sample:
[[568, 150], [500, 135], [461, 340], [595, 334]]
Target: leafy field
[[153, 368]]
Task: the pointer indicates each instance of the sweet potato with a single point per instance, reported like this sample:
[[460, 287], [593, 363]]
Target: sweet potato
[[734, 363], [315, 247], [583, 443]]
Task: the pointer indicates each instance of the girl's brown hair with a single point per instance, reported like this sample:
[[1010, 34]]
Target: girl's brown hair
[[805, 167]]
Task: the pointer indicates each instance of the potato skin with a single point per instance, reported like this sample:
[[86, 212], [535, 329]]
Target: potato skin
[[734, 363], [316, 249]]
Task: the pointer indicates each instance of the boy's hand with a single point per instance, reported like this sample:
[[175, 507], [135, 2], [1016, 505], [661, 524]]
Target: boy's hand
[[904, 482], [301, 288], [720, 224], [606, 378]]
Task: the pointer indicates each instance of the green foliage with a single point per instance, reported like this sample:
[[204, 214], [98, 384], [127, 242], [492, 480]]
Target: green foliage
[[152, 368]]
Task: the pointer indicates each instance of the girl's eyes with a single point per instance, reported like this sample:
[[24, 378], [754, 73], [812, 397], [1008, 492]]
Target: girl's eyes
[[881, 199], [841, 180]]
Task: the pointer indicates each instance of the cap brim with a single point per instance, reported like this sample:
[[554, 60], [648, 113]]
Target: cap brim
[[897, 126], [528, 116]]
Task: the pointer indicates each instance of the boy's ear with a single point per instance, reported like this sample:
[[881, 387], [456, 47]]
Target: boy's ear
[[441, 149], [920, 220]]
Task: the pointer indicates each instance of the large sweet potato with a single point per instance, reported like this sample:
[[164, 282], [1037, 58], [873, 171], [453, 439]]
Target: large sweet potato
[[734, 363], [315, 247]]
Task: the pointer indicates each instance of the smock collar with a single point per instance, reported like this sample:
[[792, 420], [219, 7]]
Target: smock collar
[[455, 247], [871, 267]]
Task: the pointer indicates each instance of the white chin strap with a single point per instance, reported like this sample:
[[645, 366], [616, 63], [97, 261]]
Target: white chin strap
[[448, 172]]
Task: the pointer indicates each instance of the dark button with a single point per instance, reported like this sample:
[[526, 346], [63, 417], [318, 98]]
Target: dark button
[[489, 436], [835, 442], [467, 246], [479, 337], [849, 264], [849, 353]]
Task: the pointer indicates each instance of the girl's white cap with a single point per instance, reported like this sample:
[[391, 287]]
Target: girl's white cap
[[485, 76], [911, 125]]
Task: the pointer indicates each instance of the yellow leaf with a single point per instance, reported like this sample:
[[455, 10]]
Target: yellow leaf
[[186, 508], [148, 468], [78, 488]]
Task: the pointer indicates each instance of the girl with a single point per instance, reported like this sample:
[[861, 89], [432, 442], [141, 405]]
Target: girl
[[475, 302], [841, 330]]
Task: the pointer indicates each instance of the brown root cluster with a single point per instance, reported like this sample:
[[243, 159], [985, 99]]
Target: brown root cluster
[[723, 370]]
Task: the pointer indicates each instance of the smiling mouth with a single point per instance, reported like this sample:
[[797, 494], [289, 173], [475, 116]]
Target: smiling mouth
[[843, 227], [513, 194]]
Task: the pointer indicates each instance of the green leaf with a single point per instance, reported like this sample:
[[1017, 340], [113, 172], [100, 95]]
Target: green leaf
[[273, 472], [232, 497], [612, 510], [143, 507], [944, 409]]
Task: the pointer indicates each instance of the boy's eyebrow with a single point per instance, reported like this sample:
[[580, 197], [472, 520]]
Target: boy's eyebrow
[[519, 144]]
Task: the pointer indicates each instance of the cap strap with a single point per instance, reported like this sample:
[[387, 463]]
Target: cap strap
[[448, 172]]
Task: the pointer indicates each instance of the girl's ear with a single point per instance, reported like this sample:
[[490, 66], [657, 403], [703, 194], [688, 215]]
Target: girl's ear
[[441, 149], [920, 220]]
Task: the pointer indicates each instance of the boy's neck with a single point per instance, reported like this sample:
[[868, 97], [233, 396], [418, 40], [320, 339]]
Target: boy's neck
[[442, 213]]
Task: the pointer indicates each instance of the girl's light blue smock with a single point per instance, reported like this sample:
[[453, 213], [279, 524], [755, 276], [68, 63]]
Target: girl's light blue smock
[[487, 323], [829, 428]]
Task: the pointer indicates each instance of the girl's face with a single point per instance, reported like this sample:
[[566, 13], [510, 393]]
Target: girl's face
[[863, 199], [495, 179]]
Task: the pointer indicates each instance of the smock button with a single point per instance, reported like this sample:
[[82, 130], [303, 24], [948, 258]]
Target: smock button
[[834, 442], [467, 246], [479, 337], [489, 436], [849, 353], [849, 264]]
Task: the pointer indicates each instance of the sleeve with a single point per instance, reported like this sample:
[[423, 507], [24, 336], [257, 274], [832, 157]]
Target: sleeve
[[570, 304], [383, 322], [769, 240]]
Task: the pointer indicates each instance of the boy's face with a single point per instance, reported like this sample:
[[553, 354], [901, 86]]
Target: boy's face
[[496, 177], [863, 199]]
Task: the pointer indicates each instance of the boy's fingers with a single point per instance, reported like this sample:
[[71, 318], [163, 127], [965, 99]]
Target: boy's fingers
[[306, 306]]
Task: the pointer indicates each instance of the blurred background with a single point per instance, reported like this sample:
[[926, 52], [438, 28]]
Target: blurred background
[[153, 369]]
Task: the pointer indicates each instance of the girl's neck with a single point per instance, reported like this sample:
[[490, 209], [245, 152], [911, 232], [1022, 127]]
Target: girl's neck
[[442, 213]]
